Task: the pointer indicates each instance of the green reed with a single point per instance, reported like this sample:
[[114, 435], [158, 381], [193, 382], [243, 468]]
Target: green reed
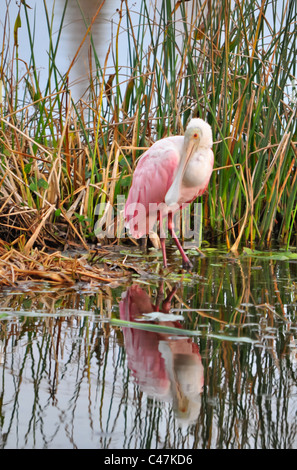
[[234, 67]]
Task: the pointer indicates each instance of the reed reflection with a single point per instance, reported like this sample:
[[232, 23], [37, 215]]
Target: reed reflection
[[166, 367]]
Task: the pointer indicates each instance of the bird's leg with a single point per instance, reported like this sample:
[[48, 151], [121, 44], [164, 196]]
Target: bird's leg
[[186, 262], [162, 240]]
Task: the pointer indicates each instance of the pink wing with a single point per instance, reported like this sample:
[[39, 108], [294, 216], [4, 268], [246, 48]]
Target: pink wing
[[152, 179]]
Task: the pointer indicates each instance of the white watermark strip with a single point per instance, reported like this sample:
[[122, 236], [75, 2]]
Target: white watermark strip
[[187, 221]]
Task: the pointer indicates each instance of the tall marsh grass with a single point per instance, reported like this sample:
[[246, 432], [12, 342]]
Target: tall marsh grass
[[231, 63]]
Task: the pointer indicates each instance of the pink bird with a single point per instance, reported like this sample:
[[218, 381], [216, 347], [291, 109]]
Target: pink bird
[[171, 173]]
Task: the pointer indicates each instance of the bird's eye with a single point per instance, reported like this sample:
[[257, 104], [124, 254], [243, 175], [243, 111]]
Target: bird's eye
[[195, 135]]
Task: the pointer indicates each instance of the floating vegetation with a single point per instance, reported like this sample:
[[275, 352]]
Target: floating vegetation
[[279, 255]]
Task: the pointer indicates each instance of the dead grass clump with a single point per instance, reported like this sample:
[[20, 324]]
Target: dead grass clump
[[57, 268]]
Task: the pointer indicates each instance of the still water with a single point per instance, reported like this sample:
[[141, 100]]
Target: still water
[[91, 369]]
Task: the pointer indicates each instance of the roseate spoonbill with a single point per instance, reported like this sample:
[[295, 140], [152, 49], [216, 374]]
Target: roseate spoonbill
[[171, 173]]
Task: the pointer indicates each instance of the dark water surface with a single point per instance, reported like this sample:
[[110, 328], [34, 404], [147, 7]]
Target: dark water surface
[[220, 373]]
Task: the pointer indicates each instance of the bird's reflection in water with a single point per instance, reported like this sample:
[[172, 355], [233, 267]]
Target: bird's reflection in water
[[166, 367]]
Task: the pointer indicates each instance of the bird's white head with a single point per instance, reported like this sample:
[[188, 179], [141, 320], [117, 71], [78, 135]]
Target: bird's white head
[[198, 135]]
